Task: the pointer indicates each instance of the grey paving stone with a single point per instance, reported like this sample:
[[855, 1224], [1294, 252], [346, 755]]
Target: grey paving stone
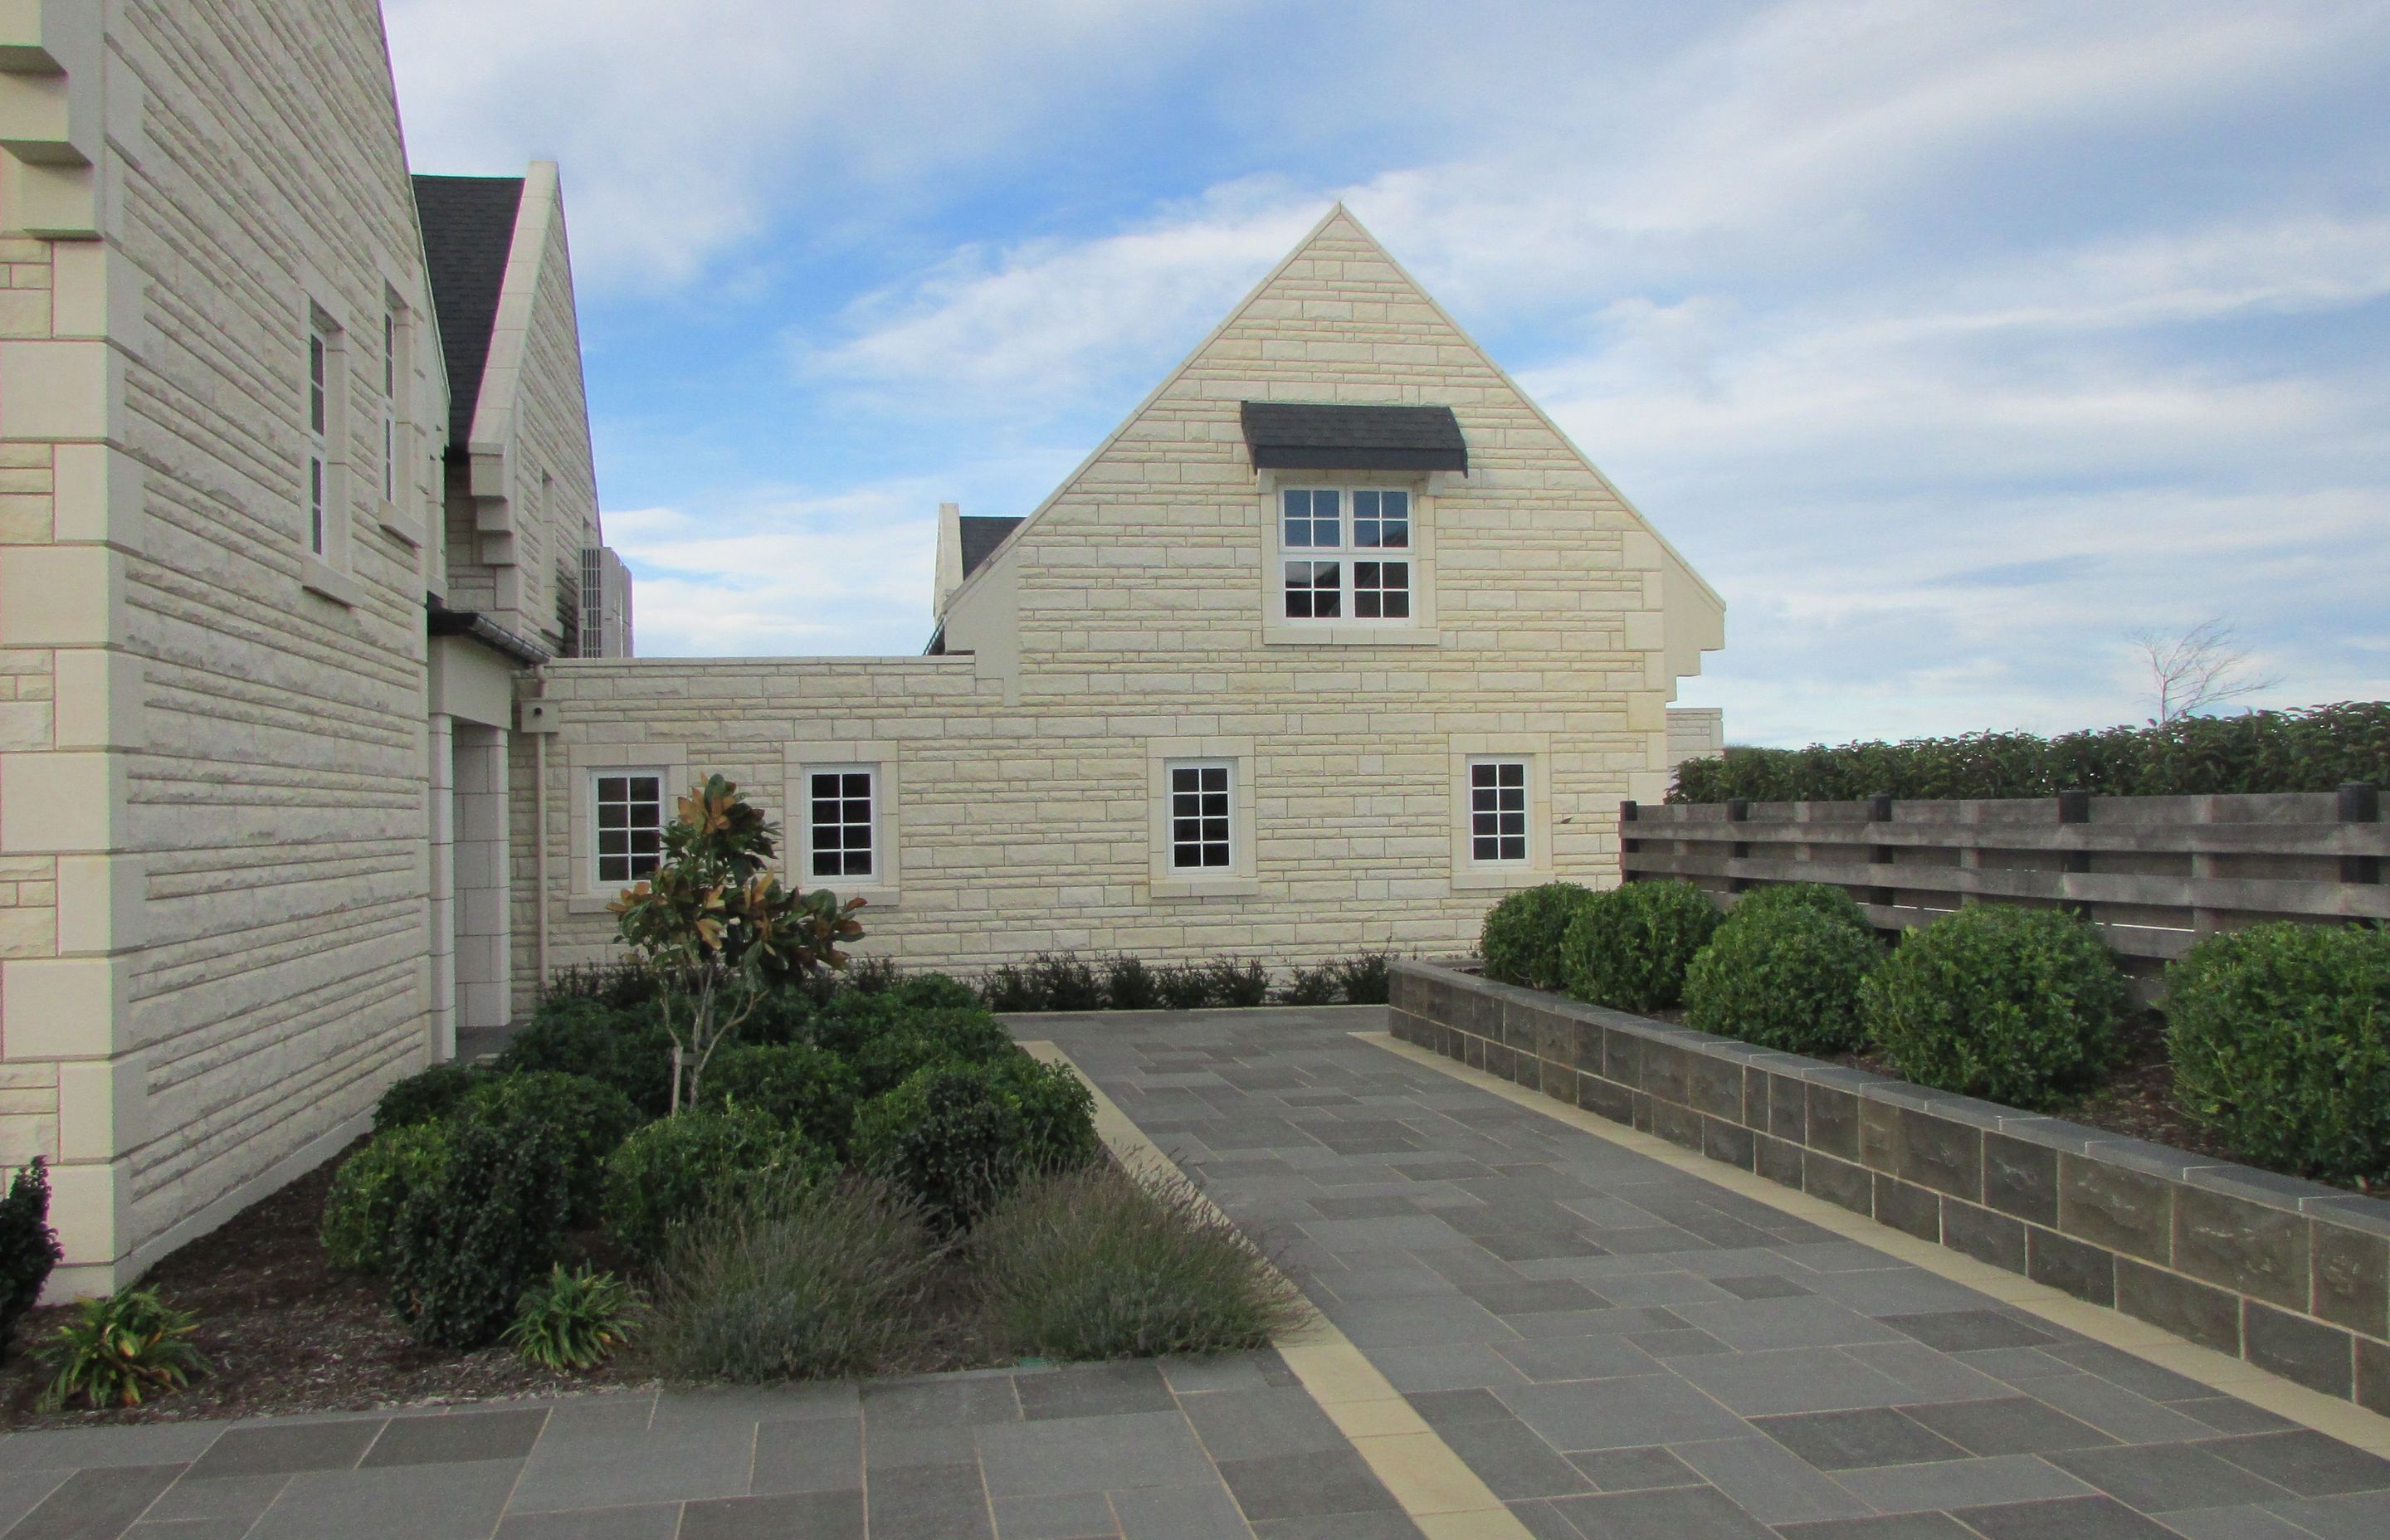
[[2161, 1478], [1445, 1366], [1074, 1516], [1542, 1521], [96, 1503], [444, 1502], [2117, 1411], [266, 1448], [1770, 1483], [650, 1521], [1237, 1425], [1687, 1343], [945, 1401], [817, 1454], [1887, 1526], [1803, 1321], [932, 1502], [1514, 1462], [1443, 1407], [1543, 1359], [1200, 1511], [2359, 1516], [1953, 1484], [2012, 1425], [2309, 1463], [2074, 1519], [1063, 1455], [2242, 1522], [1761, 1286], [63, 1449], [2230, 1415], [1620, 1414], [241, 1498], [734, 1406], [1635, 1470], [1285, 1486], [1961, 1331], [630, 1468], [606, 1417], [188, 1529], [1093, 1390], [794, 1516], [1687, 1513], [907, 1448], [1851, 1440], [1385, 1525], [23, 1491], [1930, 1376], [457, 1437], [1796, 1380]]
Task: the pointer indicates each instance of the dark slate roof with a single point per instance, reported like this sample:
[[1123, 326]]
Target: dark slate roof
[[982, 535], [469, 225], [1303, 436]]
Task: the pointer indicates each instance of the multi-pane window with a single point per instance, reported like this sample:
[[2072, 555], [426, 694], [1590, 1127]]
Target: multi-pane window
[[630, 808], [1346, 553], [840, 817], [1198, 816], [318, 412], [1497, 810]]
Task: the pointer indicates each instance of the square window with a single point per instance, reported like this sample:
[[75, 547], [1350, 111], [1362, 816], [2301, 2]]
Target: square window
[[843, 828], [629, 808], [1315, 590], [1382, 590], [1381, 519], [1313, 519]]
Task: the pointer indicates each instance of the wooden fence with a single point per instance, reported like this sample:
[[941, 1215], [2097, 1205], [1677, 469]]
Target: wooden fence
[[2154, 873]]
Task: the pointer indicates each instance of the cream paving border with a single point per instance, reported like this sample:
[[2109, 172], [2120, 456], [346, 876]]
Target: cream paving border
[[2344, 1420], [1443, 1497]]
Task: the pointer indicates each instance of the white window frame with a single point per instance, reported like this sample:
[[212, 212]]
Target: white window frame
[[401, 507], [325, 451], [586, 763], [1166, 879], [884, 888], [596, 851], [802, 800], [1532, 751], [1416, 629]]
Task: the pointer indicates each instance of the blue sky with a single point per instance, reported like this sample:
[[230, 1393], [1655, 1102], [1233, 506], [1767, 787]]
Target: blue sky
[[1952, 343]]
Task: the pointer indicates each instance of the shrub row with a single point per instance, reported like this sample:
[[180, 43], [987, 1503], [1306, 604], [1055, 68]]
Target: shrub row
[[1063, 981], [2278, 1035], [2315, 748], [465, 1198]]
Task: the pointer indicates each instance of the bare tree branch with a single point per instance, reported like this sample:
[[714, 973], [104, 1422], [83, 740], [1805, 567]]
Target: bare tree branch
[[2204, 666]]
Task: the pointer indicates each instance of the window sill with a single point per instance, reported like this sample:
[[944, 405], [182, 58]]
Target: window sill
[[1478, 879], [1349, 636], [399, 526], [320, 578], [588, 903], [1168, 888], [873, 898]]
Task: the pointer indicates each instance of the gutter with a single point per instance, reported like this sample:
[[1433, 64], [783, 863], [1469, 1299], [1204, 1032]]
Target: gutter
[[441, 621]]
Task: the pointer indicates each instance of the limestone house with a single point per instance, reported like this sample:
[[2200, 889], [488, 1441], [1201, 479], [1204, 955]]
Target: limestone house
[[1335, 638], [283, 509]]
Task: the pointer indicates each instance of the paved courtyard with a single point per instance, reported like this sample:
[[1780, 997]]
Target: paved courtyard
[[1615, 1347]]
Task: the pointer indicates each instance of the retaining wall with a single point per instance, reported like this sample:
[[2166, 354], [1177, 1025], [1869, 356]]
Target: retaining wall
[[2292, 1275]]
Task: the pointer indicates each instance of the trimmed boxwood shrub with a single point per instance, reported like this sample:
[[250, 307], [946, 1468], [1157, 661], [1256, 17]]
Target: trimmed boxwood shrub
[[1822, 898], [960, 1137], [372, 1187], [935, 992], [425, 1096], [811, 1087], [1629, 948], [886, 1059], [2280, 1041], [2016, 1005], [1522, 940], [676, 1167], [471, 1240], [592, 1117], [29, 1248], [1786, 976], [627, 1047]]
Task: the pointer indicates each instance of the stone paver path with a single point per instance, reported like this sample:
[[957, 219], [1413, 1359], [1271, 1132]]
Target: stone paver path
[[1617, 1348], [1622, 1350]]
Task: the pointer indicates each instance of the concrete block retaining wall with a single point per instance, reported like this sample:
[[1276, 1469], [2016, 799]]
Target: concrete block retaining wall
[[2291, 1275]]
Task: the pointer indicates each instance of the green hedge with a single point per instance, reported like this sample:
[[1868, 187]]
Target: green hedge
[[1629, 948], [2280, 1041], [2312, 749], [1785, 976], [1522, 940], [2016, 1006]]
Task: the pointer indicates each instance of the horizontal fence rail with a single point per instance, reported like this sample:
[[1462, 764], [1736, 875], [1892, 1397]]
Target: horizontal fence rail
[[2154, 873]]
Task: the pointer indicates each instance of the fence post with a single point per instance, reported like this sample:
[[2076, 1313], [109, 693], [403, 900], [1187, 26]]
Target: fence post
[[1880, 811], [1738, 811], [1627, 814], [2074, 807], [2360, 802]]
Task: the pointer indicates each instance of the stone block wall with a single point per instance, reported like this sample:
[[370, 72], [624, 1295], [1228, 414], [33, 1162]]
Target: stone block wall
[[2292, 1275]]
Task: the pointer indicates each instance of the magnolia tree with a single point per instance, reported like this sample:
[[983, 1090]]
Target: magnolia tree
[[717, 928]]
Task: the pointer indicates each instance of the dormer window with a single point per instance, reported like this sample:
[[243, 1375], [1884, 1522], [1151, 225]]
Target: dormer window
[[1345, 553]]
